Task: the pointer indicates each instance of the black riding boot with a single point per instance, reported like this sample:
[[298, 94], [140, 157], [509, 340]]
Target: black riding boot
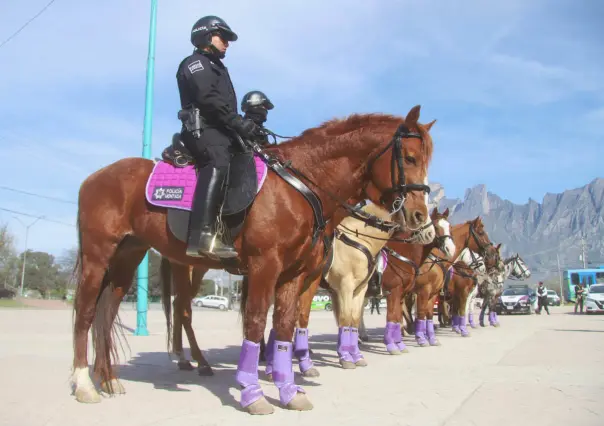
[[206, 203]]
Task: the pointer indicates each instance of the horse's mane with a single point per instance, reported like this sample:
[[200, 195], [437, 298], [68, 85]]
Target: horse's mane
[[382, 123]]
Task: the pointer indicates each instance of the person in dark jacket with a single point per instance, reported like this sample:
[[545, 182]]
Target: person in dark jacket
[[542, 298], [580, 297], [255, 105], [205, 85]]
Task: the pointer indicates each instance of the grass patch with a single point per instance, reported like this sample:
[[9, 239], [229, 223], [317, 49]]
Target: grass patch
[[7, 303]]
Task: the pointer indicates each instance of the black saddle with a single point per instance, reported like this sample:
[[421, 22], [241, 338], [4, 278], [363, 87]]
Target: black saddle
[[177, 153]]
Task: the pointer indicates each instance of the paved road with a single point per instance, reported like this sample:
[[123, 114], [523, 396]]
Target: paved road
[[534, 370]]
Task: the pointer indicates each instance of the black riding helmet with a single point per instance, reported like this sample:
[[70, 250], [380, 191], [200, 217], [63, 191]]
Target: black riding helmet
[[255, 98], [201, 33]]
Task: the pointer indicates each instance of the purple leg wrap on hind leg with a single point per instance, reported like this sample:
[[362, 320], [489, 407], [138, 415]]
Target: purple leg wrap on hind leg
[[301, 350], [355, 352], [430, 334], [247, 373]]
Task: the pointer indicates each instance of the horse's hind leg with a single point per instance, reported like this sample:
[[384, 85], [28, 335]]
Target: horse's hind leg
[[185, 312], [301, 345], [393, 337], [358, 302], [121, 273], [91, 275]]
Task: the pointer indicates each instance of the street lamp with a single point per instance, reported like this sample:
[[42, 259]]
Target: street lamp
[[25, 250]]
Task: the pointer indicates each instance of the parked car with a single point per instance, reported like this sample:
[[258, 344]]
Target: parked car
[[5, 293], [321, 302], [218, 302], [515, 300], [594, 299], [552, 298]]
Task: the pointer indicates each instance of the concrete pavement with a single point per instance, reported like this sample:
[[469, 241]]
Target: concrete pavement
[[533, 370]]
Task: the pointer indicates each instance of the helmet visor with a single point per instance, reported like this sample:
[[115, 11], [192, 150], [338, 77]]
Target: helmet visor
[[227, 34]]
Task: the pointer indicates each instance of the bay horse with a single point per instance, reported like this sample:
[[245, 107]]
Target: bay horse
[[352, 259], [426, 279], [380, 157]]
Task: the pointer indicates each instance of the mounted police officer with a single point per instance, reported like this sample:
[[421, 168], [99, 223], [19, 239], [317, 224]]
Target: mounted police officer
[[208, 100], [256, 105]]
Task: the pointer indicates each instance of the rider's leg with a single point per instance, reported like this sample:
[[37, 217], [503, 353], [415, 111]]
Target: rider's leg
[[213, 157]]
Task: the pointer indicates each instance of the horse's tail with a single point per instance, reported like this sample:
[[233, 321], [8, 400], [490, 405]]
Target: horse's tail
[[166, 293]]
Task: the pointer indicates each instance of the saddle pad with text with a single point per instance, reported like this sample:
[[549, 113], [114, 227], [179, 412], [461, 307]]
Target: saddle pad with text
[[174, 187]]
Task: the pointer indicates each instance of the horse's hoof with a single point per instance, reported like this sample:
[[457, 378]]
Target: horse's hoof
[[348, 365], [87, 396], [205, 370], [269, 377], [394, 352], [361, 363], [261, 407], [185, 366], [311, 372], [496, 325], [405, 351], [437, 343], [300, 402], [364, 338], [113, 387], [424, 345]]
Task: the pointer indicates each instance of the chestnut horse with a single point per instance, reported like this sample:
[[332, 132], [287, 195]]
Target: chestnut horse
[[427, 282], [380, 157], [441, 239]]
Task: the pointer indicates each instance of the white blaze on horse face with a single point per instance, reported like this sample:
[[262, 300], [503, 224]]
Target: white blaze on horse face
[[449, 244]]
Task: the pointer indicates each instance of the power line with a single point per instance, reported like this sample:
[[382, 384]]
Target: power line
[[27, 23], [41, 218], [60, 200]]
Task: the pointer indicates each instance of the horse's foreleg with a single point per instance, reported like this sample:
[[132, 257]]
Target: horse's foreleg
[[393, 338], [430, 333], [470, 307], [343, 287], [463, 299], [91, 274], [423, 299], [358, 302]]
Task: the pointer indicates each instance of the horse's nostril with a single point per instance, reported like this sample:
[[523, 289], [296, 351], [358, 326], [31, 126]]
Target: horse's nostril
[[419, 217]]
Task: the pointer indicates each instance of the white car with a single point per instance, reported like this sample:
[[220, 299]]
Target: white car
[[552, 298], [594, 300], [219, 302], [514, 300]]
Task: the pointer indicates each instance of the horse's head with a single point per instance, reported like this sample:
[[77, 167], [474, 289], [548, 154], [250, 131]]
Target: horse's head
[[442, 227], [519, 268], [478, 241], [398, 173]]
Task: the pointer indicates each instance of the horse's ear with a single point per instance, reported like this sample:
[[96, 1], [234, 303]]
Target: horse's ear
[[429, 125], [446, 213], [413, 116], [434, 213], [498, 246]]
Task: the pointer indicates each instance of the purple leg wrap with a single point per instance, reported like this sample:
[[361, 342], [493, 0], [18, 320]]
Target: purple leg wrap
[[397, 336], [456, 324], [462, 326], [247, 373], [471, 320], [492, 318], [496, 318], [389, 336], [344, 344], [283, 375], [430, 334], [420, 332], [301, 350], [269, 352], [355, 352]]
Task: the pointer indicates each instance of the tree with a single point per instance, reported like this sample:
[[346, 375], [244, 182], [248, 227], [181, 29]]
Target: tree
[[42, 274], [8, 258]]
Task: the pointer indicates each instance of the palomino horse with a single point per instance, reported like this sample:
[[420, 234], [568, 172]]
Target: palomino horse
[[354, 249], [427, 281], [515, 268], [380, 157]]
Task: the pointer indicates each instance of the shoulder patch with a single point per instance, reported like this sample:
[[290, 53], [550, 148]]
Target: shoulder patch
[[195, 66]]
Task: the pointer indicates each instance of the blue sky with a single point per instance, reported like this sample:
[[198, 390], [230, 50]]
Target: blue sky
[[516, 87]]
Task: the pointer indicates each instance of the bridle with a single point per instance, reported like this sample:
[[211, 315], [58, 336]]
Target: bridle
[[482, 247], [400, 188], [524, 272]]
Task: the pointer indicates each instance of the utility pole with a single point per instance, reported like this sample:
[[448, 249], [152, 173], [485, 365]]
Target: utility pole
[[25, 250], [583, 252], [560, 278]]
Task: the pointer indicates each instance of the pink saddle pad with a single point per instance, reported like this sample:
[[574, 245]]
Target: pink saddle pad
[[173, 187]]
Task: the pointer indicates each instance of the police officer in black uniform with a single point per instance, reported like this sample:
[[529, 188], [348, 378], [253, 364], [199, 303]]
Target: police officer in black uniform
[[255, 105], [204, 84]]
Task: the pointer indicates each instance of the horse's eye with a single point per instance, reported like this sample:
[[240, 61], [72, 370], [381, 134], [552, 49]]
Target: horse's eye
[[410, 160]]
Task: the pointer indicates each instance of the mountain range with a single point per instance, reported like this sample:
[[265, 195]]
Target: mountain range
[[560, 227]]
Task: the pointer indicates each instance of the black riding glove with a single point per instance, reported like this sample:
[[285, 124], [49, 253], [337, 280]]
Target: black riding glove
[[246, 128], [257, 114]]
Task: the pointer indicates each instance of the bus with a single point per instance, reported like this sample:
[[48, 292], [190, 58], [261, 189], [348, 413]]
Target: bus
[[585, 277]]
